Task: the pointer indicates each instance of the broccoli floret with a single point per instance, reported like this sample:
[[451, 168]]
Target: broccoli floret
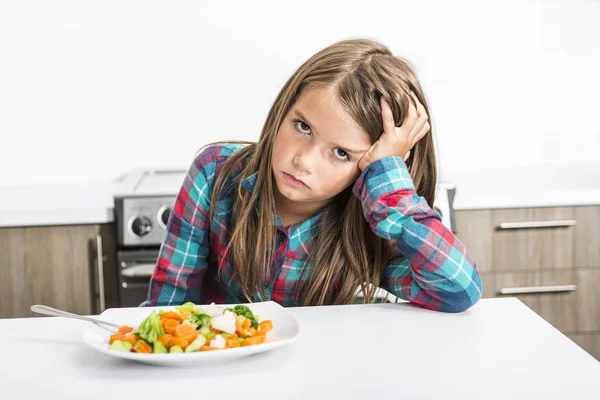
[[150, 329], [186, 307], [196, 344], [210, 335], [175, 349], [119, 345], [159, 348], [199, 320], [246, 312]]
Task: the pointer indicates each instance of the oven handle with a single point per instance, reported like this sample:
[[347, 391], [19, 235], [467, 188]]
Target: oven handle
[[138, 271]]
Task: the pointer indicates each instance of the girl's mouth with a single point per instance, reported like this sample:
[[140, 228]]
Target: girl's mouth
[[292, 181]]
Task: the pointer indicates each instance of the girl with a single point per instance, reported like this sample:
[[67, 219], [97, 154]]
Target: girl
[[334, 197]]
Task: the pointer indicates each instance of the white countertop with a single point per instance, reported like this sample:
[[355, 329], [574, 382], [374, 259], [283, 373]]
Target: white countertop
[[79, 203], [498, 349], [56, 204], [525, 199], [92, 203], [525, 187]]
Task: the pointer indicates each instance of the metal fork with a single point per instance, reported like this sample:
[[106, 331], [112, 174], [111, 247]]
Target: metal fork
[[40, 309]]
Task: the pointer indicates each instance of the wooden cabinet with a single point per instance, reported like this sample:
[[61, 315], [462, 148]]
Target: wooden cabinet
[[548, 257], [474, 229], [57, 266], [587, 236], [545, 240], [566, 298], [501, 241]]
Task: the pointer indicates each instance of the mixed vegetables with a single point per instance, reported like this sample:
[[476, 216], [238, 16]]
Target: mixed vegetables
[[190, 328]]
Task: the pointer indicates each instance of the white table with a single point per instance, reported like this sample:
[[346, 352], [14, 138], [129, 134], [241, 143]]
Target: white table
[[499, 349]]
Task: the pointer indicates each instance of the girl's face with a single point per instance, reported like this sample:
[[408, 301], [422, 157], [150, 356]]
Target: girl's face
[[316, 152]]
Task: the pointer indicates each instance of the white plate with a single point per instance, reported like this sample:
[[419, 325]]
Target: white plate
[[285, 330]]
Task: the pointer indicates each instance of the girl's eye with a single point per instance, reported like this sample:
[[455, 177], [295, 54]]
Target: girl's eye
[[302, 127], [340, 154]]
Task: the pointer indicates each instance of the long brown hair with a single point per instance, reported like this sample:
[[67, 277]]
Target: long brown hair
[[348, 255]]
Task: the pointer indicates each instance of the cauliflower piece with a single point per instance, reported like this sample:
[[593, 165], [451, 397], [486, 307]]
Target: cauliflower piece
[[213, 310], [218, 342], [225, 322]]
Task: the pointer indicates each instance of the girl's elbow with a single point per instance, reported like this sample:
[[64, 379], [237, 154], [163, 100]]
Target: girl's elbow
[[459, 304], [462, 298]]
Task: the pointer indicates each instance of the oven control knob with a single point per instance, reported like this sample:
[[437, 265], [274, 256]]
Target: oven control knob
[[141, 226], [163, 216]]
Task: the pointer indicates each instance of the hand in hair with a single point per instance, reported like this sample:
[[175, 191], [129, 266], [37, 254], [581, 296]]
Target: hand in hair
[[397, 141]]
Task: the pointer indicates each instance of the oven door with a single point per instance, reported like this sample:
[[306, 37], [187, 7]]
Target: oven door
[[135, 270]]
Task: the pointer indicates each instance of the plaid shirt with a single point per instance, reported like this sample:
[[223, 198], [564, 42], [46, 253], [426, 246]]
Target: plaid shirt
[[431, 267]]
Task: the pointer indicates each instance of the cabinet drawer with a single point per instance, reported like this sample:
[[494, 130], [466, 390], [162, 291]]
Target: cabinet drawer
[[533, 238], [590, 342], [587, 236], [519, 239], [565, 298]]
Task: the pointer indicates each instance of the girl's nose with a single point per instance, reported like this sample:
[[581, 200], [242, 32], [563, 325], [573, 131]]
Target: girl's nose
[[305, 159]]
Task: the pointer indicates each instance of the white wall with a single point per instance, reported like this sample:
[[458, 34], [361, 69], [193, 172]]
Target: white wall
[[92, 89]]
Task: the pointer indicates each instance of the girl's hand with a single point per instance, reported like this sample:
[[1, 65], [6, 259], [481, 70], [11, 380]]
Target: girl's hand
[[397, 141]]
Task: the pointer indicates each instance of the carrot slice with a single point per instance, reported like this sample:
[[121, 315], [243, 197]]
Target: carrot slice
[[125, 329], [252, 331], [251, 341], [116, 336], [266, 326], [171, 315], [170, 325], [187, 332], [232, 342], [143, 347], [239, 329], [131, 339], [247, 323], [207, 348], [181, 342], [165, 339], [185, 315]]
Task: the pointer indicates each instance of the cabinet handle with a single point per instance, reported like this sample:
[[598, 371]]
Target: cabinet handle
[[537, 224], [539, 289], [100, 258]]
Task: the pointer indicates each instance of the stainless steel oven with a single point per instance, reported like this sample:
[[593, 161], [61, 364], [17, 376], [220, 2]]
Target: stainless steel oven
[[143, 203], [135, 271]]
